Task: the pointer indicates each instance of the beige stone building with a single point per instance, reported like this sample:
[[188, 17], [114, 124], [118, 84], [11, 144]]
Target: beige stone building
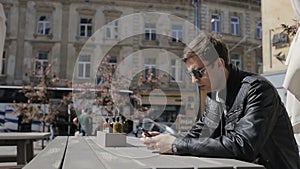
[[76, 35], [276, 43], [239, 21]]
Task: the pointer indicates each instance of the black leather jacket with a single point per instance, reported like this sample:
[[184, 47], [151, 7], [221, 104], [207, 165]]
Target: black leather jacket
[[261, 133]]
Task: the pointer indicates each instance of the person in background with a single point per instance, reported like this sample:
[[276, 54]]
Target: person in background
[[85, 121], [244, 117]]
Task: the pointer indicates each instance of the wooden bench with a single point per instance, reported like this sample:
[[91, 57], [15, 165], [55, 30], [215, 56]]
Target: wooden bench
[[52, 156]]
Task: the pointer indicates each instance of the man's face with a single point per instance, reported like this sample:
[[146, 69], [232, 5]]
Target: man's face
[[214, 69], [194, 63]]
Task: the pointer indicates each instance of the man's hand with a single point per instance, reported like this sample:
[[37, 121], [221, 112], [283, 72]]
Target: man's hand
[[161, 142]]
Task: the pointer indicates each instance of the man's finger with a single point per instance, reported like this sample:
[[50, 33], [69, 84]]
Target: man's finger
[[149, 140]]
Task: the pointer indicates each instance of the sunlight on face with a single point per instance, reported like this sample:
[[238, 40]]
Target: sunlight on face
[[213, 78]]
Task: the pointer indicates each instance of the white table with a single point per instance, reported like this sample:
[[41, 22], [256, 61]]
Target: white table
[[86, 152]]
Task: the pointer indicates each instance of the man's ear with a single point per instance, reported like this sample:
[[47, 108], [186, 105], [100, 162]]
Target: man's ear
[[221, 62]]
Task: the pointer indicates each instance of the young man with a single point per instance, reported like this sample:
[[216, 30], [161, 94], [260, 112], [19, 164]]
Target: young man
[[253, 125]]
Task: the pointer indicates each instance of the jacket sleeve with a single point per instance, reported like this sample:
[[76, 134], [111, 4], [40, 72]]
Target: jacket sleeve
[[247, 136]]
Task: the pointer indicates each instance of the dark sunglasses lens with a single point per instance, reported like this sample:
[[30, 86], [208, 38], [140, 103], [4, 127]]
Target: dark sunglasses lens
[[197, 74]]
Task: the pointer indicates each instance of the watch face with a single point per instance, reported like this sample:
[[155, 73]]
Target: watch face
[[174, 149]]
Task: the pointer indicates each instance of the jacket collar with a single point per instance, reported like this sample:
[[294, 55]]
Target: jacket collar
[[233, 85]]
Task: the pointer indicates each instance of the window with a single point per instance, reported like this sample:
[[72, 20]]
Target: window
[[259, 67], [41, 62], [111, 31], [113, 63], [259, 64], [236, 60], [43, 25], [85, 27], [258, 31], [177, 33], [150, 67], [3, 68], [113, 60], [176, 72], [150, 31], [235, 26], [6, 18], [215, 23], [84, 67]]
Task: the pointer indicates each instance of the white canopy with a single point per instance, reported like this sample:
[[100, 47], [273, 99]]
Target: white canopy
[[296, 7], [292, 79]]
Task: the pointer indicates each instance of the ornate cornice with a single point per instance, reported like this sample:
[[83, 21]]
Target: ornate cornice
[[112, 12], [86, 10], [44, 7]]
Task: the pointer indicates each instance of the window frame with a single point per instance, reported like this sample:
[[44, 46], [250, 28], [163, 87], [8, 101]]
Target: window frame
[[259, 30], [148, 64], [176, 34], [6, 14], [43, 25], [235, 26], [259, 67], [86, 74], [236, 58], [176, 72], [215, 23], [3, 70], [39, 70], [150, 32], [85, 27], [113, 28]]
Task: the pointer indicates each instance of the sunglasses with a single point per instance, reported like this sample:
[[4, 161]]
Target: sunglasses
[[198, 73]]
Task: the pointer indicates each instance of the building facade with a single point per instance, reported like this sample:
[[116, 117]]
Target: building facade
[[68, 34], [239, 21], [276, 43]]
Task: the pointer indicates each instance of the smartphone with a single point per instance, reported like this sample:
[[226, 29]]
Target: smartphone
[[146, 132]]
